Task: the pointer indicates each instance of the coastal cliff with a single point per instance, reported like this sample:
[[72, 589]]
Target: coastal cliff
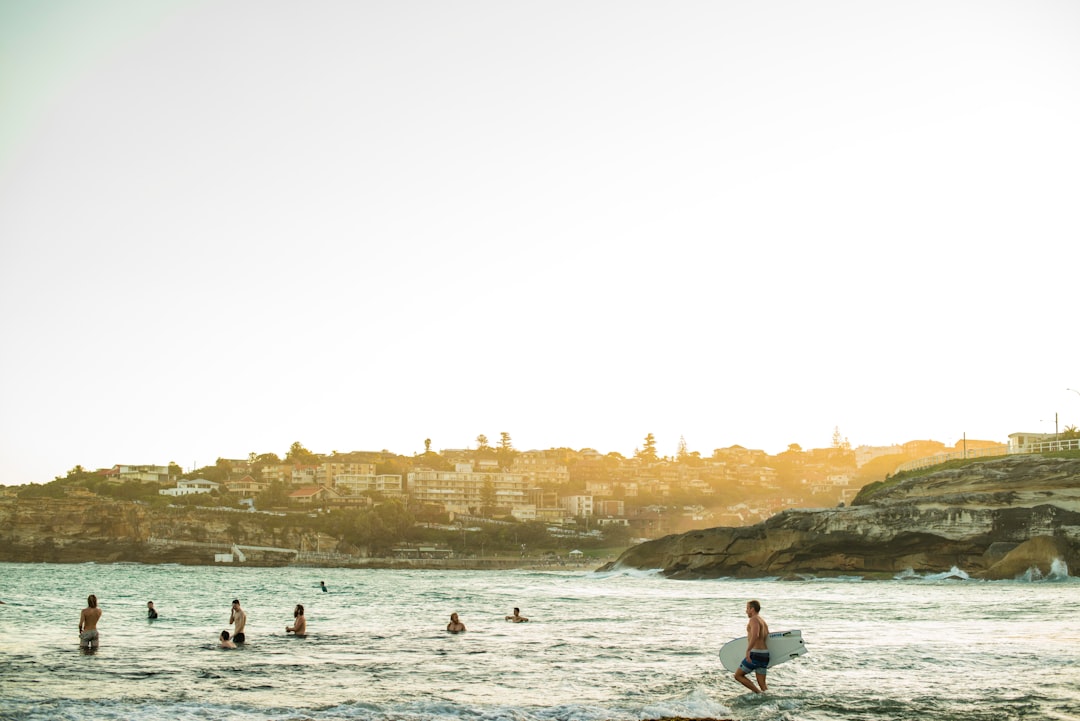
[[993, 519], [76, 530]]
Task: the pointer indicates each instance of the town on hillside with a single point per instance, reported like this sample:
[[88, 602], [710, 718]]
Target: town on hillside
[[577, 492]]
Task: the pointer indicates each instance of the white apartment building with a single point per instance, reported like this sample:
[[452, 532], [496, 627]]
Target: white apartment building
[[159, 474], [577, 505], [353, 484], [187, 488], [462, 489]]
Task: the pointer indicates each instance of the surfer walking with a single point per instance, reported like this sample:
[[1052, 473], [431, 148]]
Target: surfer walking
[[757, 650]]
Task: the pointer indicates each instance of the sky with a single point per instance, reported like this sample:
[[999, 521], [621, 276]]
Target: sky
[[228, 226]]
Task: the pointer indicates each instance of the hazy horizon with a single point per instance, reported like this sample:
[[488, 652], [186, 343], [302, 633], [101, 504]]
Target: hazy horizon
[[228, 226]]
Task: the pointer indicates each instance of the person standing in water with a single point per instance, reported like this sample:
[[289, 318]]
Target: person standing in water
[[299, 626], [517, 617], [151, 613], [757, 650], [322, 585], [88, 621], [239, 619], [225, 642], [455, 625]]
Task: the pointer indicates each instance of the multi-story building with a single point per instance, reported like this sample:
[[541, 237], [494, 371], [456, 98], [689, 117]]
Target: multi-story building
[[187, 488], [577, 505], [462, 489], [158, 474], [328, 472], [541, 467], [354, 484], [246, 486]]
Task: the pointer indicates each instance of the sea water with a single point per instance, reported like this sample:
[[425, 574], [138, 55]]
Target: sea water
[[618, 646]]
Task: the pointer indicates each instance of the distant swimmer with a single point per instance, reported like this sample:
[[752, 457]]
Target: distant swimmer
[[517, 617], [225, 642], [238, 619], [322, 585], [757, 650], [299, 626], [88, 621], [455, 625], [151, 613]]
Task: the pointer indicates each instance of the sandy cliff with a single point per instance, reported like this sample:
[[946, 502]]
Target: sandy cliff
[[981, 518], [74, 530]]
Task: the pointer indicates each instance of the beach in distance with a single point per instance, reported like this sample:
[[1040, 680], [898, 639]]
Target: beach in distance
[[617, 646]]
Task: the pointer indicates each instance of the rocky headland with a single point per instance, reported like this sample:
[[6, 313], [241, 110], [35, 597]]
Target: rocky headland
[[993, 519]]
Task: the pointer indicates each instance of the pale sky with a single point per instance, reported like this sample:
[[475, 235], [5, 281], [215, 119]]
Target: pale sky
[[228, 226]]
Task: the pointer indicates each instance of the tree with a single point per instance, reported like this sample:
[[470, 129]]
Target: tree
[[482, 443], [487, 497], [648, 453], [298, 454], [505, 452]]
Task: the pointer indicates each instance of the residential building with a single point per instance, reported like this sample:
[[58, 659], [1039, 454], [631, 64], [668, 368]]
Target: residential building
[[541, 467], [328, 472], [157, 474], [355, 484], [463, 489], [246, 486], [577, 505], [187, 488], [312, 495]]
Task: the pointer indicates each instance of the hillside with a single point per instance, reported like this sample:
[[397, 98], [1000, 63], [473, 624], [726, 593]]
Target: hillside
[[994, 519]]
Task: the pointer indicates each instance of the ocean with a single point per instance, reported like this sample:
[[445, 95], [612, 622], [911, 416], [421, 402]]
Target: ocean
[[618, 646]]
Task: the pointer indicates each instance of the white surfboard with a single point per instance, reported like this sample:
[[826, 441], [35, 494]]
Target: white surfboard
[[783, 646]]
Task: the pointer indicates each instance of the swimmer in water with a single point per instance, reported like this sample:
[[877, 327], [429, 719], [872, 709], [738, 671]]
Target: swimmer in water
[[225, 642], [455, 625], [517, 617], [299, 626], [151, 613]]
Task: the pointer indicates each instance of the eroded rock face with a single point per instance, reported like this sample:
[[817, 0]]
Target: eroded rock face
[[969, 518], [75, 530]]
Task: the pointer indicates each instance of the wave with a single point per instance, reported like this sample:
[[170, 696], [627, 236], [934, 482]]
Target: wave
[[628, 572], [693, 704]]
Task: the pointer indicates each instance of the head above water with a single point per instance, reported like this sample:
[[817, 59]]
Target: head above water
[[91, 601], [224, 635], [149, 604], [298, 611]]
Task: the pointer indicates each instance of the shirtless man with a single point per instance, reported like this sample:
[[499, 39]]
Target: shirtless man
[[88, 620], [299, 626], [239, 619], [455, 625], [757, 650], [225, 642], [517, 617]]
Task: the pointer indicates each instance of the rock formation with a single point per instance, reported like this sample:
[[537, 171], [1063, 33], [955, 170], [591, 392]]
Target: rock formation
[[981, 518]]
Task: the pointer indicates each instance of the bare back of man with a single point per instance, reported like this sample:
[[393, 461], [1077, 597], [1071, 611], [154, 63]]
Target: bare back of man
[[88, 621]]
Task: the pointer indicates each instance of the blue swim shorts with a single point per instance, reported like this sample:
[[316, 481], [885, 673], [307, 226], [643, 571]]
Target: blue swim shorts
[[758, 663]]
